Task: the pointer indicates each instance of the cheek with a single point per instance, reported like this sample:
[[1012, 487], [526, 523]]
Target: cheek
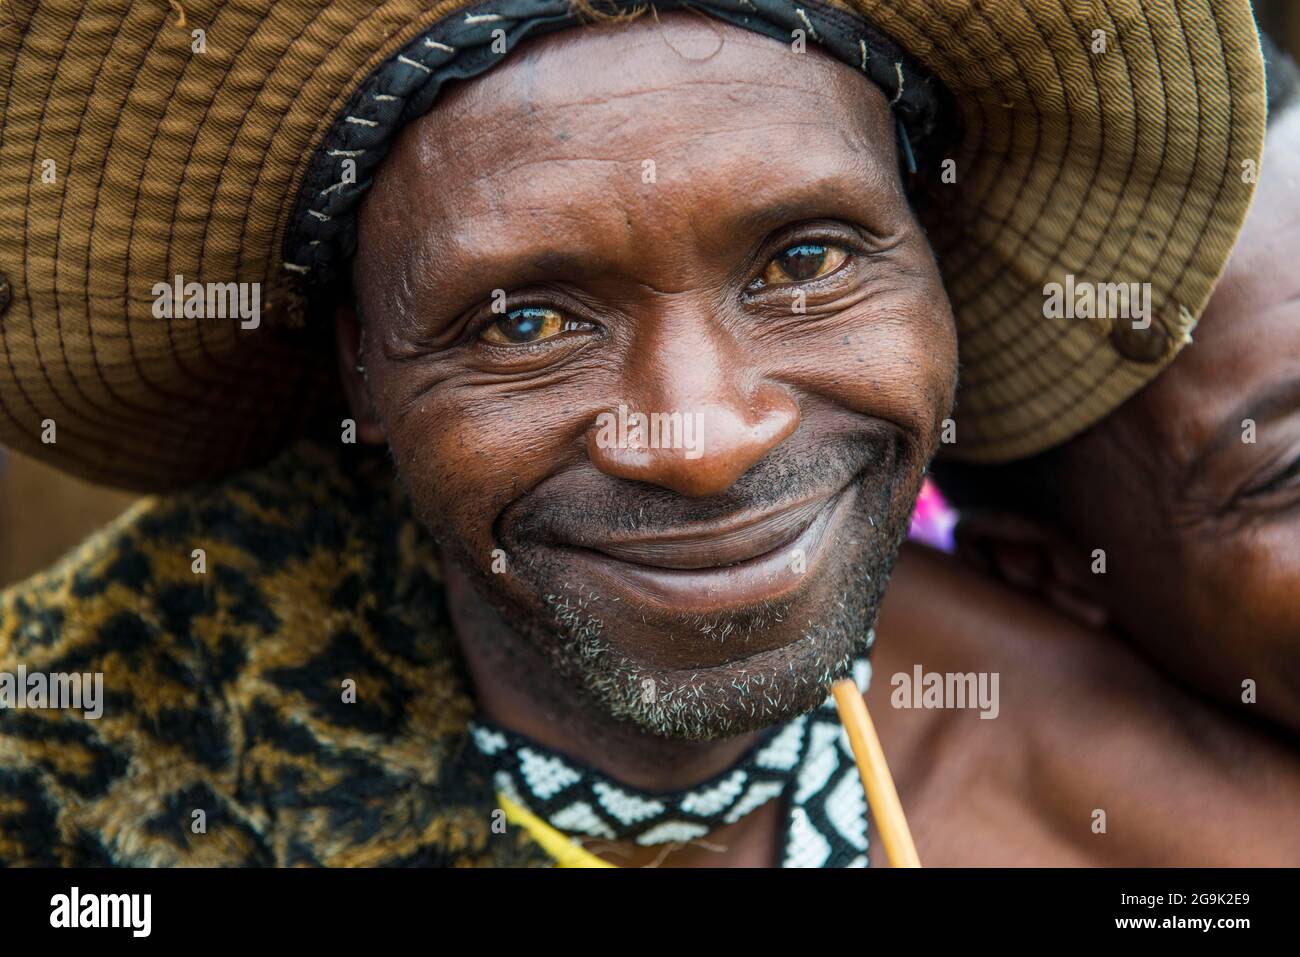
[[893, 357], [1224, 600], [1245, 587], [465, 452]]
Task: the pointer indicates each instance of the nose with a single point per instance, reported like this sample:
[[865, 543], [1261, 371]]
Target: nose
[[697, 415]]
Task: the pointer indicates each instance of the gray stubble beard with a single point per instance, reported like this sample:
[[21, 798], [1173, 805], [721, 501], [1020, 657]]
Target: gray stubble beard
[[739, 697]]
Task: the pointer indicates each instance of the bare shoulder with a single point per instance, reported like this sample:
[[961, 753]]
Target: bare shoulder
[[1074, 749], [948, 618]]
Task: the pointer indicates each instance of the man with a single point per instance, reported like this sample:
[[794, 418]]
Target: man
[[658, 368], [1147, 657]]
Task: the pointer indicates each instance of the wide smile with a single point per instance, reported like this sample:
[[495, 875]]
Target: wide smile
[[742, 562]]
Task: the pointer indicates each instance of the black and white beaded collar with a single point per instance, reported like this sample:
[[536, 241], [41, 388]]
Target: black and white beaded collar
[[807, 763]]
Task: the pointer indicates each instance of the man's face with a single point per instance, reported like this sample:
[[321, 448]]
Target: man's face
[[692, 223], [1193, 487]]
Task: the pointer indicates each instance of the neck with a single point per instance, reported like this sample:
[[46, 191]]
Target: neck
[[516, 687]]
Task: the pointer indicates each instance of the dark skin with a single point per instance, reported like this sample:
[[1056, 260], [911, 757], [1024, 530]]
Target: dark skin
[[1123, 691], [1201, 529], [1085, 723], [665, 289]]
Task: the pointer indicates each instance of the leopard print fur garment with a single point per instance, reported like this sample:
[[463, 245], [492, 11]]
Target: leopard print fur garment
[[223, 691]]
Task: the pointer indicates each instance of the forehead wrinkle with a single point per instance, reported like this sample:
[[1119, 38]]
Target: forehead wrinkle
[[665, 119], [503, 235], [616, 59], [494, 251], [500, 238], [482, 121], [722, 155], [539, 87], [455, 147], [819, 148]]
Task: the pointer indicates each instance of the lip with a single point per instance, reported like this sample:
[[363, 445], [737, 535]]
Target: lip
[[718, 544], [743, 564]]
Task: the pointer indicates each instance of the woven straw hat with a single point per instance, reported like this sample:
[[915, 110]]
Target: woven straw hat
[[134, 150]]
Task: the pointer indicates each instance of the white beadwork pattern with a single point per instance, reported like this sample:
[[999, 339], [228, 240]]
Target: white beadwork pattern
[[807, 762]]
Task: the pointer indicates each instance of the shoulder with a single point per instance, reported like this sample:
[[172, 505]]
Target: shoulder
[[113, 723], [1083, 725], [275, 653]]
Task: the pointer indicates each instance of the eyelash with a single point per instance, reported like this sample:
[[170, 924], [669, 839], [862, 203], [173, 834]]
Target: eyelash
[[1279, 481], [850, 248], [478, 326]]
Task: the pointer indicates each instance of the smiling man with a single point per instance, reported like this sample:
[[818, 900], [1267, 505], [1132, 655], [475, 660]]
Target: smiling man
[[790, 305], [485, 627]]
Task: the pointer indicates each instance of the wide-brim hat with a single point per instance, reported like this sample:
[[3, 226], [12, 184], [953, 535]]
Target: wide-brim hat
[[1093, 141]]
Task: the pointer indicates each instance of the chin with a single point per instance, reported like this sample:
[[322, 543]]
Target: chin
[[703, 668]]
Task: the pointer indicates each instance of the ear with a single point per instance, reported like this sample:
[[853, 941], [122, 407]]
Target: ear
[[1033, 557], [350, 346]]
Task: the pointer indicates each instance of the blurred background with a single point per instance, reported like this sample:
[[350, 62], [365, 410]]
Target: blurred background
[[43, 513], [1280, 19]]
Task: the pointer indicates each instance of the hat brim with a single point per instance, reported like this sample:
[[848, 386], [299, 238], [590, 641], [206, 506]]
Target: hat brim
[[1121, 166]]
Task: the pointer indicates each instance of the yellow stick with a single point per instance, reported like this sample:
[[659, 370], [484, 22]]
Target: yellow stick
[[882, 796]]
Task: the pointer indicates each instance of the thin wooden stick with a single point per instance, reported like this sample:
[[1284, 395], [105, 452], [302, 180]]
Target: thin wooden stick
[[882, 796]]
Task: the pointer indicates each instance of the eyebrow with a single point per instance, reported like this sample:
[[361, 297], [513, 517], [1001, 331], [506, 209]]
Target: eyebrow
[[833, 194], [512, 266]]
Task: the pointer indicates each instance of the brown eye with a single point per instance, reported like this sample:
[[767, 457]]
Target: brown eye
[[802, 263], [529, 324]]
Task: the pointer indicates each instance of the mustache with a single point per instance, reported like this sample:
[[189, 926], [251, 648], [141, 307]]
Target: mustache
[[602, 505]]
